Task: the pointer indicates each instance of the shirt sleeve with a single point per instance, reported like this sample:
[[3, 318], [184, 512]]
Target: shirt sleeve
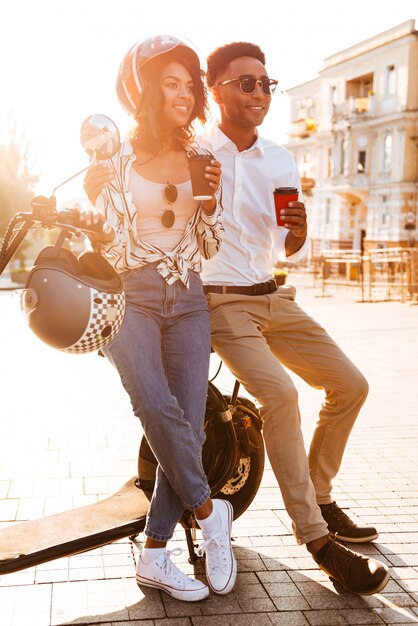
[[209, 229], [279, 250], [112, 250]]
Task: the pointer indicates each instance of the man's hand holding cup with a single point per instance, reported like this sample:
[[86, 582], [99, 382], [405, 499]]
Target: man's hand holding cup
[[290, 213]]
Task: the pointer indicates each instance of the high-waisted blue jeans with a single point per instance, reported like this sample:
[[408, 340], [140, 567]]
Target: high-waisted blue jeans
[[162, 355]]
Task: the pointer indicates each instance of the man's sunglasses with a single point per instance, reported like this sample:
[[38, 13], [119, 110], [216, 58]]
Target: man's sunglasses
[[247, 84], [170, 194]]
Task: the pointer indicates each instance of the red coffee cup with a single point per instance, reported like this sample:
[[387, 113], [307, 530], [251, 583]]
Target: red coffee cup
[[282, 197]]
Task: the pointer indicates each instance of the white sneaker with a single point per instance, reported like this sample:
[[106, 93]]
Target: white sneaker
[[221, 566], [163, 574]]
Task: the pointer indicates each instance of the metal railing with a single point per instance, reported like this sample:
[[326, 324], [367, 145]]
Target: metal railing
[[354, 107], [382, 274], [303, 127]]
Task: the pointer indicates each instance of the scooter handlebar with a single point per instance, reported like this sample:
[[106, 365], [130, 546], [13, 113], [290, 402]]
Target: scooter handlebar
[[44, 211], [71, 218]]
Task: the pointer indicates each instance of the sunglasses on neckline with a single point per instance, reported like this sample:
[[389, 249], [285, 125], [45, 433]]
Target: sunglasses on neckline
[[247, 84], [170, 195]]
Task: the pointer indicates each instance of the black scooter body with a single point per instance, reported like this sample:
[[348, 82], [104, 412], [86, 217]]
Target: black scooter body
[[233, 441], [85, 528]]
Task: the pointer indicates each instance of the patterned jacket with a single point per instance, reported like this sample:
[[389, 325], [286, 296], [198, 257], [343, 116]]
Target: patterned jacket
[[202, 236]]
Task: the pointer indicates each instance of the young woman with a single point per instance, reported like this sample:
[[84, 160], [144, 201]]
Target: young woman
[[162, 350]]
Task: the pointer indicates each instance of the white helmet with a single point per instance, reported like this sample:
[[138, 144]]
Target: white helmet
[[130, 81], [73, 304]]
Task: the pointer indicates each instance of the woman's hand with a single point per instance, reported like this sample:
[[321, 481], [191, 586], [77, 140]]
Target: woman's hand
[[97, 176], [213, 175], [103, 232]]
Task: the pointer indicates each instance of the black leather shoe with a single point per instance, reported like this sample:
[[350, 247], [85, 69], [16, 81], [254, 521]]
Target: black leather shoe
[[355, 572], [347, 530]]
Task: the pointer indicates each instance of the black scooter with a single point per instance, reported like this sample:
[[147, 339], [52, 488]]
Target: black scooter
[[233, 453]]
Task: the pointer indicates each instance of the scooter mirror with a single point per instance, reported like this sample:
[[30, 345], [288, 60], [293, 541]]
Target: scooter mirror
[[99, 137]]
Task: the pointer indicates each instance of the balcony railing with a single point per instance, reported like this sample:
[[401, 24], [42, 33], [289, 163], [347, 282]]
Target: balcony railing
[[303, 127], [353, 109], [307, 185], [359, 180]]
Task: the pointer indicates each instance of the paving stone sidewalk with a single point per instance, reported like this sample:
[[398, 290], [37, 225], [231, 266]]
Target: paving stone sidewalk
[[68, 438]]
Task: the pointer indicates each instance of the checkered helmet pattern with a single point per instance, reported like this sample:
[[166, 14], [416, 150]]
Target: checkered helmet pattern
[[74, 304], [106, 316]]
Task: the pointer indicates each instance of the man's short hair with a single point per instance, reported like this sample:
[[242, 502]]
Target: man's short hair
[[220, 58]]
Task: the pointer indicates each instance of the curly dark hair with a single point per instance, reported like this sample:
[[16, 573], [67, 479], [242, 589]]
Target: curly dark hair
[[219, 59], [148, 134]]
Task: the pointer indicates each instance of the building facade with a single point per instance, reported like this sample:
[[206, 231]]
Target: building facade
[[354, 135]]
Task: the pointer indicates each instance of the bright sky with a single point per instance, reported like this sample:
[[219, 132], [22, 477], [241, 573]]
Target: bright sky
[[58, 59]]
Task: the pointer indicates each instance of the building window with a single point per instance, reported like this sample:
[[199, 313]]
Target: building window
[[301, 110], [367, 88], [343, 155], [305, 109], [384, 210], [361, 161], [310, 107], [330, 163], [359, 87], [328, 211], [387, 152], [390, 80], [307, 165]]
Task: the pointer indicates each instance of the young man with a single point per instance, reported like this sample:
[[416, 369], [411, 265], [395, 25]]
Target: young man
[[257, 328]]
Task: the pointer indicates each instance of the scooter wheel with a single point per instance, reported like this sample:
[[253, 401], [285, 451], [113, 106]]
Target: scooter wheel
[[241, 488]]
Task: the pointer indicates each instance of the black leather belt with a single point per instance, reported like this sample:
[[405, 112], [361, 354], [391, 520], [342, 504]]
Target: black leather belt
[[261, 289]]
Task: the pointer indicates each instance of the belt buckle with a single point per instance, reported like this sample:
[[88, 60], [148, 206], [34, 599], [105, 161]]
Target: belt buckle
[[259, 289], [272, 285]]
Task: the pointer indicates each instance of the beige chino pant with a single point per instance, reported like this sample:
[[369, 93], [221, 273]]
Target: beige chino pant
[[255, 336]]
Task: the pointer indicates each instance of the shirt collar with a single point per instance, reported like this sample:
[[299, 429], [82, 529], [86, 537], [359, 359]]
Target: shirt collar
[[219, 140]]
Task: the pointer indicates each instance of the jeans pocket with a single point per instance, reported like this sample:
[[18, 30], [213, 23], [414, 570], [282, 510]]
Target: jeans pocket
[[197, 293]]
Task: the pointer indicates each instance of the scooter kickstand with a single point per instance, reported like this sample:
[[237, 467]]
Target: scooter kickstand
[[190, 538]]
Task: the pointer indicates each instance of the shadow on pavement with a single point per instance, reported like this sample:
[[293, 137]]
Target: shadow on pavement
[[267, 591]]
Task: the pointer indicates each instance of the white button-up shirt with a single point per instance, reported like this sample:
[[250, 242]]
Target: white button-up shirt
[[252, 241]]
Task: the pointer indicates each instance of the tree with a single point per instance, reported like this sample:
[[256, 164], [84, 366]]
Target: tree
[[17, 172]]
